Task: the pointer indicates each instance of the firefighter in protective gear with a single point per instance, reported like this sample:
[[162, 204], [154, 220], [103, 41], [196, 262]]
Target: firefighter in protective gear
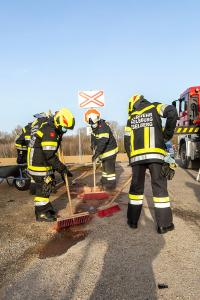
[[22, 140], [144, 143], [43, 160], [105, 148]]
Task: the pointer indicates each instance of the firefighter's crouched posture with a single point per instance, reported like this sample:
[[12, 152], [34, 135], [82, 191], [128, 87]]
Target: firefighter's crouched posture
[[105, 148], [43, 160], [145, 146]]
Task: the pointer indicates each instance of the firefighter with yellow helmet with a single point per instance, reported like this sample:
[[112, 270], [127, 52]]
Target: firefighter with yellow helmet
[[42, 160], [144, 143], [105, 149]]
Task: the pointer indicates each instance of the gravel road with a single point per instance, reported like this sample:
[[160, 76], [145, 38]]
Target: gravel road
[[104, 259]]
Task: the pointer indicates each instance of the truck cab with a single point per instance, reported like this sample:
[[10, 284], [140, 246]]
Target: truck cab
[[189, 116]]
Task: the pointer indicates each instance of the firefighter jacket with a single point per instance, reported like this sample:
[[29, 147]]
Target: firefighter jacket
[[103, 141], [22, 140], [144, 138], [42, 158]]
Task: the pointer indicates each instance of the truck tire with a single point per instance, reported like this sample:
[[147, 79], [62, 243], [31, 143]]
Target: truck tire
[[186, 161]]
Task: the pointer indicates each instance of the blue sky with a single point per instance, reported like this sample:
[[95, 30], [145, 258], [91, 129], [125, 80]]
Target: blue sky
[[51, 49]]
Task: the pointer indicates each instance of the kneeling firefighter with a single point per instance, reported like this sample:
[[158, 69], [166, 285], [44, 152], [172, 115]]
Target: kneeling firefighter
[[43, 160], [144, 143], [105, 148]]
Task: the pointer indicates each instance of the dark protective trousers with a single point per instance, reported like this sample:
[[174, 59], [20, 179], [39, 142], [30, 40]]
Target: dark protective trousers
[[108, 173], [163, 213], [42, 194]]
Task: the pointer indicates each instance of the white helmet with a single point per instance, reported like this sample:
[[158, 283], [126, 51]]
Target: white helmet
[[92, 118]]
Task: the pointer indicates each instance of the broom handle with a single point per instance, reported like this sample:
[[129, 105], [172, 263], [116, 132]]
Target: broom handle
[[119, 192], [61, 157], [94, 174]]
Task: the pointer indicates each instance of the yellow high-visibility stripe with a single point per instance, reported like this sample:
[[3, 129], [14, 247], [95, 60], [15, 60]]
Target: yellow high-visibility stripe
[[49, 143], [39, 133], [179, 129], [127, 129], [101, 135], [27, 137], [139, 112], [185, 129], [109, 153], [136, 197], [18, 145], [160, 108], [34, 168], [41, 199], [143, 151], [132, 141], [196, 130], [24, 130], [146, 137], [191, 129], [161, 199]]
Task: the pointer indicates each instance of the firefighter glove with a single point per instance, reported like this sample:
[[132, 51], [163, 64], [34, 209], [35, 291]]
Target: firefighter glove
[[168, 170], [66, 172], [94, 157]]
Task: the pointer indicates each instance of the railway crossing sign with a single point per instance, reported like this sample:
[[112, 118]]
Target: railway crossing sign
[[88, 99]]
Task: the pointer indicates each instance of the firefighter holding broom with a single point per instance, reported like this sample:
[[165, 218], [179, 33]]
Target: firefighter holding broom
[[104, 146], [42, 160], [144, 142]]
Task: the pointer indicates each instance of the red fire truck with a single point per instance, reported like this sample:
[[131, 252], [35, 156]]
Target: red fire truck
[[188, 127]]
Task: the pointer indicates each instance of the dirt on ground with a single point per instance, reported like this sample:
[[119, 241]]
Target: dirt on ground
[[103, 259]]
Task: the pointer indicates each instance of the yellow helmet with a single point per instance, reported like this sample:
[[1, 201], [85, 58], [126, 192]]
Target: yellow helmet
[[132, 101], [64, 119]]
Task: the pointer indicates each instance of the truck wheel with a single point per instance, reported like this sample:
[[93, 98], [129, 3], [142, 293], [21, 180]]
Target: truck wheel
[[22, 184], [185, 160]]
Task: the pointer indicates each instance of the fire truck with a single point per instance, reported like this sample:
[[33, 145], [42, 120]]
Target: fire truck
[[188, 127]]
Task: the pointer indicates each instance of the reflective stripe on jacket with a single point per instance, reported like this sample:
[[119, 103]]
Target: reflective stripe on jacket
[[144, 136], [103, 141], [44, 143]]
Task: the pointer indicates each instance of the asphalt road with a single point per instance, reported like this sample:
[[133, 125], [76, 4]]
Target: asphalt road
[[104, 259]]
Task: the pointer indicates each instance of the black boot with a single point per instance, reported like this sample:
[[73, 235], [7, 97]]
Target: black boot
[[45, 213], [162, 230], [131, 224]]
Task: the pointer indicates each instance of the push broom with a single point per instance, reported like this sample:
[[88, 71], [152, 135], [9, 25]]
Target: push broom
[[73, 218], [112, 207], [94, 194]]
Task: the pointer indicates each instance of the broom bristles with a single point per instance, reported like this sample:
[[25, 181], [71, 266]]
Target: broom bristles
[[73, 220], [108, 211]]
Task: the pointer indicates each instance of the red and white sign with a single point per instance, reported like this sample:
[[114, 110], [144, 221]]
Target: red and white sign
[[89, 99], [91, 113]]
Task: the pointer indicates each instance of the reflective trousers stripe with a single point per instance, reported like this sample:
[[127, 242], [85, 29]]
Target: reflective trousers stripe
[[160, 199], [135, 202], [162, 205], [135, 197], [40, 201]]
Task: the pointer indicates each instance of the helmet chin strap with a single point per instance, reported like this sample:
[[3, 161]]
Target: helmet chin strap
[[94, 125]]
